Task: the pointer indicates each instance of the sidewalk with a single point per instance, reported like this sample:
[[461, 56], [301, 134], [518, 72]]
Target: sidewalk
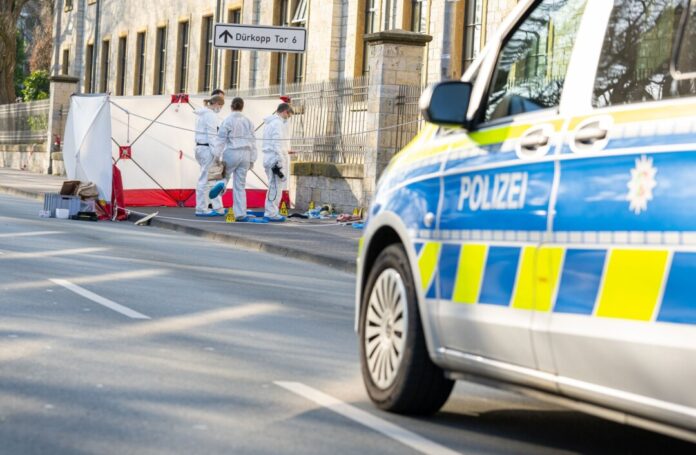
[[323, 242]]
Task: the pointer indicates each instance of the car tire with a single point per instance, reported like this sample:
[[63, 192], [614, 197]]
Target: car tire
[[397, 370]]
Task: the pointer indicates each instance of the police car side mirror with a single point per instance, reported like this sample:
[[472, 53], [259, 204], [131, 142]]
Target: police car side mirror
[[446, 103]]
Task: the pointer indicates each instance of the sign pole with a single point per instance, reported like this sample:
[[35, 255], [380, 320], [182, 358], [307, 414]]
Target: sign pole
[[283, 67]]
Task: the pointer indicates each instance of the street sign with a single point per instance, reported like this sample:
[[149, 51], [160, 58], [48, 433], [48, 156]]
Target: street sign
[[260, 38]]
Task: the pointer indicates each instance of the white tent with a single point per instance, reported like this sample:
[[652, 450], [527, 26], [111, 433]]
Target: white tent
[[162, 168], [87, 142]]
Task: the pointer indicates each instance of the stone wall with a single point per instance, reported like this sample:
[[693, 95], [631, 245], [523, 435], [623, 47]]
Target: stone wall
[[338, 184], [32, 157]]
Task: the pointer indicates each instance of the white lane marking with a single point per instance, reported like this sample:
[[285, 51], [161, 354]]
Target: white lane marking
[[389, 429], [45, 254], [99, 299], [29, 234]]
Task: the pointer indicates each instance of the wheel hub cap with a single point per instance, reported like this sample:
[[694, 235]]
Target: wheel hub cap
[[385, 328]]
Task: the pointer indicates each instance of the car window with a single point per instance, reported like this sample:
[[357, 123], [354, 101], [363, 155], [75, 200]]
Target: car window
[[532, 64], [685, 61], [634, 65]]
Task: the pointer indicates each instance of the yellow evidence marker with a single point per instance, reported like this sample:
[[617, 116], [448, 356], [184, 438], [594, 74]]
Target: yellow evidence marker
[[283, 209], [229, 218]]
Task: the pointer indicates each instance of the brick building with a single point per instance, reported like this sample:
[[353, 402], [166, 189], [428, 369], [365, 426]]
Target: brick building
[[131, 47]]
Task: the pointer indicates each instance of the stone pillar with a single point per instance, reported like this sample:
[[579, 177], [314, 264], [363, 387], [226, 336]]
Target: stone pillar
[[62, 88], [395, 59]]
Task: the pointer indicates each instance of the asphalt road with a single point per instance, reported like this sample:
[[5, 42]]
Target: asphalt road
[[117, 339]]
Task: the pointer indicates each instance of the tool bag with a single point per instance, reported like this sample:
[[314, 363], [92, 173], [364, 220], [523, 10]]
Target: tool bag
[[216, 170]]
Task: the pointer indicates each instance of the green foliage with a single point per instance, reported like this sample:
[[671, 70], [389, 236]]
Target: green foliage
[[36, 86], [38, 122], [21, 58]]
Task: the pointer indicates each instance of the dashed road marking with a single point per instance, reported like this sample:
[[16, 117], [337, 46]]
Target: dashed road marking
[[45, 254], [388, 429], [29, 234], [99, 299]]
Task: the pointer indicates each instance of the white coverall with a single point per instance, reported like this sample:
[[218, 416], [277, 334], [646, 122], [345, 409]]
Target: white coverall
[[275, 150], [206, 133], [236, 135]]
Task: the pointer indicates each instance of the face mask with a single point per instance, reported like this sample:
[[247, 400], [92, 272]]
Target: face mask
[[216, 108]]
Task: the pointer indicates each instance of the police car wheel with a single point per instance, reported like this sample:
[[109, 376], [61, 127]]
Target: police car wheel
[[396, 368]]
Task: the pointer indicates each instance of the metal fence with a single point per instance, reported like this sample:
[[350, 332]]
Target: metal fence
[[24, 123], [330, 121], [409, 120]]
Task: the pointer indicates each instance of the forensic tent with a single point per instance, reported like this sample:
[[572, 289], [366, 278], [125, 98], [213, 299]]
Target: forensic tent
[[154, 148], [87, 142]]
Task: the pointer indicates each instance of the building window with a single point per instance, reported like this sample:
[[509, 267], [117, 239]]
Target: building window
[[139, 81], [299, 19], [66, 62], [283, 21], [121, 67], [68, 5], [160, 60], [206, 53], [105, 63], [473, 18], [370, 27], [89, 64], [235, 17], [182, 57], [419, 15]]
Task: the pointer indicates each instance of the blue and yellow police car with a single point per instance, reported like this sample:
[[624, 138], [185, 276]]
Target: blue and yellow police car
[[540, 232]]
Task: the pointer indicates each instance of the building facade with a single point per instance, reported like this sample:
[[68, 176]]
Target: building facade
[[129, 47]]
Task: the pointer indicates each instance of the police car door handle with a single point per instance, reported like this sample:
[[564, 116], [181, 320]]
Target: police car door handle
[[534, 141], [429, 219], [590, 135]]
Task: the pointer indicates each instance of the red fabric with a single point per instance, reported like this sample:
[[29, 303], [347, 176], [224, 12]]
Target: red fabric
[[106, 211], [117, 196], [157, 197]]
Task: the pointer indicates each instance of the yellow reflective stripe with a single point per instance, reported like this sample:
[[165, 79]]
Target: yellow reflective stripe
[[361, 243], [507, 132], [632, 283], [472, 262], [537, 278], [426, 263], [523, 295], [548, 276], [498, 135]]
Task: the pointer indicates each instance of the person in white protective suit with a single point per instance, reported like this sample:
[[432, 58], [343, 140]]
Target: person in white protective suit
[[276, 161], [237, 138], [206, 153]]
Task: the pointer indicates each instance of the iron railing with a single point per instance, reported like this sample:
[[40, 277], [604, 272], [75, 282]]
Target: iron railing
[[24, 123], [330, 122], [409, 120]]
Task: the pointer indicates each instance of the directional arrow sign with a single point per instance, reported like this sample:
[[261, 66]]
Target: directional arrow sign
[[257, 38]]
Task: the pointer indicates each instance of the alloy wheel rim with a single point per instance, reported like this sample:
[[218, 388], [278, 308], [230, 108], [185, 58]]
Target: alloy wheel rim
[[385, 328]]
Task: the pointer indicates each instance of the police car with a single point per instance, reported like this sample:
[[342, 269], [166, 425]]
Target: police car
[[540, 231]]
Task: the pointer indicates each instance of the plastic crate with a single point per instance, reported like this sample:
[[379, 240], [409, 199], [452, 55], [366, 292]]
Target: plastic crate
[[53, 201], [88, 205]]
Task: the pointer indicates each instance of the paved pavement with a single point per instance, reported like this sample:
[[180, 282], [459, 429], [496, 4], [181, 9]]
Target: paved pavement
[[319, 241], [116, 339]]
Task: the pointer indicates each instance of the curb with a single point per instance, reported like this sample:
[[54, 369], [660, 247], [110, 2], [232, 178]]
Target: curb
[[343, 265], [340, 264], [23, 193]]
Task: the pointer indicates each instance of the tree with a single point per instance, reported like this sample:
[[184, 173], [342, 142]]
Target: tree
[[20, 60], [36, 86], [9, 14], [42, 37]]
